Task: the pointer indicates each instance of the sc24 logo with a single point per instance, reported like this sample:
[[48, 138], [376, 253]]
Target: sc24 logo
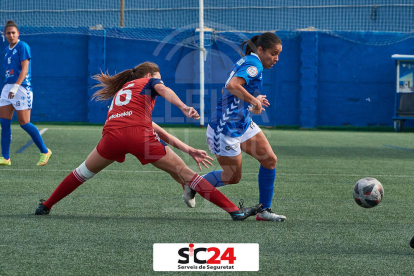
[[228, 255]]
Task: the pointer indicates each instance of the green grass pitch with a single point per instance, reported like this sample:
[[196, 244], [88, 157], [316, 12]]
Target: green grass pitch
[[110, 223]]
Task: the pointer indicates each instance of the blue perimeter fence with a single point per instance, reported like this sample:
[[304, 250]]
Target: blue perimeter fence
[[322, 78]]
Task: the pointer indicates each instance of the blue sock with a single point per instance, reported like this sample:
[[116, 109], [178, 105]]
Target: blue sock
[[266, 186], [6, 136], [34, 133], [214, 178]]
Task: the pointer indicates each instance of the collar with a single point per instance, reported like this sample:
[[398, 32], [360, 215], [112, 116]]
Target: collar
[[252, 54], [14, 45]]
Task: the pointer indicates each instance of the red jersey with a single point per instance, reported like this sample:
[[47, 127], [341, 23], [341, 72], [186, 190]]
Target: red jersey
[[133, 105]]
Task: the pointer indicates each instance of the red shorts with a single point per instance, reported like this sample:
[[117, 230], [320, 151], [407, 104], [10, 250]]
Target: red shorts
[[141, 142]]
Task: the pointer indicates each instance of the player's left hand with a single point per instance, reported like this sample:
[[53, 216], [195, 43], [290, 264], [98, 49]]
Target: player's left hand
[[201, 157], [263, 100], [190, 112], [13, 91]]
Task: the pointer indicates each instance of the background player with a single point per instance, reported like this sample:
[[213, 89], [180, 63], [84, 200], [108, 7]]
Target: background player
[[231, 130], [17, 95], [129, 129]]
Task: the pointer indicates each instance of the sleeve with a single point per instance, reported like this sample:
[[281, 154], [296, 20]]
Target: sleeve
[[152, 84], [24, 52], [249, 71]]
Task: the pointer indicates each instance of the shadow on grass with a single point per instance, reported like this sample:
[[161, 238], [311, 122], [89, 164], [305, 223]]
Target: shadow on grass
[[124, 218]]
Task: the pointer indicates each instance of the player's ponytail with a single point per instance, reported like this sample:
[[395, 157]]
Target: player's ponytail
[[10, 23], [265, 40], [250, 44], [112, 84]]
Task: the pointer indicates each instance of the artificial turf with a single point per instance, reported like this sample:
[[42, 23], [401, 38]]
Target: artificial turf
[[109, 224]]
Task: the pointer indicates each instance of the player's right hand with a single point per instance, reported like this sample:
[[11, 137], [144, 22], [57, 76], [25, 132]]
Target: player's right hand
[[256, 108], [190, 112], [201, 157]]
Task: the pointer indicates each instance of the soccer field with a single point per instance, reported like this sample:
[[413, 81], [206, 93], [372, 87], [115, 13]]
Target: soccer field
[[109, 224]]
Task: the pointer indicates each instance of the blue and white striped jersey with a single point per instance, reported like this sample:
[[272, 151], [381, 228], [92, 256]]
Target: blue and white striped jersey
[[12, 63], [231, 116]]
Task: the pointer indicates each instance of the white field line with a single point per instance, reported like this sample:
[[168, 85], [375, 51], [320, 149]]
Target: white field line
[[287, 174], [43, 131]]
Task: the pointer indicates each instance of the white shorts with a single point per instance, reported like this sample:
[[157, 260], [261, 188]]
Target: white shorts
[[224, 145], [22, 100]]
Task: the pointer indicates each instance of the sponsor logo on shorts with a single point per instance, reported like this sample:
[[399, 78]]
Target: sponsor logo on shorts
[[120, 115], [230, 147], [156, 135]]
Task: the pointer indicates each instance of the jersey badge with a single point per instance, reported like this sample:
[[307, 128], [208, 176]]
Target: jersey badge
[[252, 71], [14, 51]]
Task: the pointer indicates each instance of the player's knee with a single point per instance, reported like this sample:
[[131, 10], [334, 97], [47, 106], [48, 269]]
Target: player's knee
[[234, 179], [270, 162], [23, 122], [84, 172]]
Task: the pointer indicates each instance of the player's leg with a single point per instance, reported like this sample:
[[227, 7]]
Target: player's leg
[[258, 147], [6, 115], [31, 129], [23, 108], [230, 174], [228, 153], [175, 166], [92, 165], [232, 169]]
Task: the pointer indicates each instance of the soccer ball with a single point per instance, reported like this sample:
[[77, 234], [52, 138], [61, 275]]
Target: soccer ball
[[368, 192]]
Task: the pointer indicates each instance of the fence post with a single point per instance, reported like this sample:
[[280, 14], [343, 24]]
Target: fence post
[[122, 13]]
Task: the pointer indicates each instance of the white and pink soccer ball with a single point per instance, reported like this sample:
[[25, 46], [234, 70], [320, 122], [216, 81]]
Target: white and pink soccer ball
[[368, 192]]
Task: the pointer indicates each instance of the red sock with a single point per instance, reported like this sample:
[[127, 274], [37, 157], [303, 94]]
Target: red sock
[[206, 190], [68, 185]]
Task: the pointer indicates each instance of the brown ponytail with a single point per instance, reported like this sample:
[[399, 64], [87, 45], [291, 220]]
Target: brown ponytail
[[10, 23], [112, 84]]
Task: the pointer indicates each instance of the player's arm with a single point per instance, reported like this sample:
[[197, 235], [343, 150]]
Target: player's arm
[[170, 96], [23, 73], [235, 87], [22, 76], [200, 156]]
